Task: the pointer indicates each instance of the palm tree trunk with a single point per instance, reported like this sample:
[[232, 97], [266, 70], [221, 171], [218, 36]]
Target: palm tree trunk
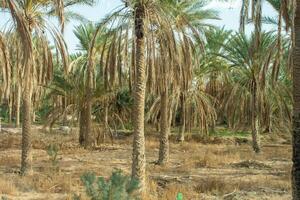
[[182, 118], [10, 108], [82, 127], [18, 103], [165, 129], [64, 99], [243, 15], [106, 125], [88, 125], [27, 92], [138, 155], [88, 107], [26, 132], [296, 110], [255, 119], [33, 116]]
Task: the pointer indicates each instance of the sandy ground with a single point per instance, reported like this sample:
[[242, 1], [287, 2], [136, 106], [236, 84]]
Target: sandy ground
[[216, 170]]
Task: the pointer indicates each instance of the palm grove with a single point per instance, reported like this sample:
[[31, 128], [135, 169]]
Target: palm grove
[[154, 63]]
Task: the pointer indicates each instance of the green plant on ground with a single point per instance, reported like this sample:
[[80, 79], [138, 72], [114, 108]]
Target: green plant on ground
[[229, 133], [117, 187], [179, 196], [52, 151]]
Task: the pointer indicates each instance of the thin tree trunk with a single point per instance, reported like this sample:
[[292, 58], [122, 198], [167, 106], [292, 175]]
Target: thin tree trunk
[[255, 120], [106, 125], [64, 99], [88, 125], [243, 15], [26, 132], [138, 156], [33, 116], [82, 127], [18, 103], [165, 129], [88, 107], [296, 110], [10, 109], [182, 118]]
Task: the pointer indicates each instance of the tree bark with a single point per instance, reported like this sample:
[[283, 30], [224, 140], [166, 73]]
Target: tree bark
[[88, 126], [255, 119], [182, 118], [18, 103], [88, 106], [26, 132], [82, 127], [138, 156], [10, 108], [33, 116], [64, 102], [296, 109], [165, 129], [106, 125]]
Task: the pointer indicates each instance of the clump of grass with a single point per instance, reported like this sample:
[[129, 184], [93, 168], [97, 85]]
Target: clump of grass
[[229, 133]]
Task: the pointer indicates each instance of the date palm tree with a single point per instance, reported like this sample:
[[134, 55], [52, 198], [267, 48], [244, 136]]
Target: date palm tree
[[30, 19], [249, 76], [85, 34], [188, 21]]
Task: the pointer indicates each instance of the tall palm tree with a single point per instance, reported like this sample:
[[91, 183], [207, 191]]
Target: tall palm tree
[[296, 109], [188, 20], [30, 19], [131, 17], [86, 35], [249, 76], [138, 155]]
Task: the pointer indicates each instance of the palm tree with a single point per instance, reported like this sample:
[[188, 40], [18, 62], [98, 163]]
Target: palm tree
[[86, 36], [215, 68], [31, 23], [189, 23], [296, 109], [249, 76], [138, 155]]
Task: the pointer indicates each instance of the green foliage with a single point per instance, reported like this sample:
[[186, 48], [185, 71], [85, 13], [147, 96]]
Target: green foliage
[[229, 133], [179, 196], [52, 151], [124, 99], [117, 187]]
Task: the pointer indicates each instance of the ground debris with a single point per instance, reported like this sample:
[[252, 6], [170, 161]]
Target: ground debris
[[250, 164]]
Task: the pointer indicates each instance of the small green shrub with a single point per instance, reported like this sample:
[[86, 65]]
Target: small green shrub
[[52, 151], [117, 187], [179, 196]]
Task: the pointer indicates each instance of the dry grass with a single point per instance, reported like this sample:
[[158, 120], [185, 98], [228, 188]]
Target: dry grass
[[199, 171], [7, 187], [8, 159], [215, 159], [171, 191]]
